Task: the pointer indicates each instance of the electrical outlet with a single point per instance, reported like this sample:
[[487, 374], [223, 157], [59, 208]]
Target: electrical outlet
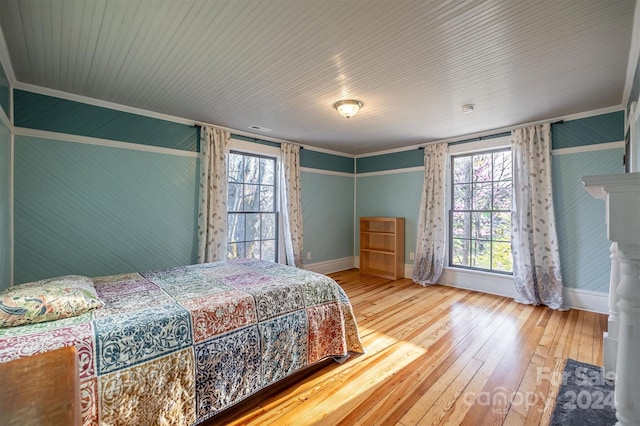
[[412, 255], [308, 255]]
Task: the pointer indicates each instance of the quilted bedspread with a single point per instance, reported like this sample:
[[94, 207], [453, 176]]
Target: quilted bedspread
[[177, 346]]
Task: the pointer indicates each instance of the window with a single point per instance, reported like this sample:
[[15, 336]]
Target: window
[[252, 215], [480, 216]]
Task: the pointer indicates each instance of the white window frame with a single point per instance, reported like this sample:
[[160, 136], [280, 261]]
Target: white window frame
[[268, 151], [492, 144]]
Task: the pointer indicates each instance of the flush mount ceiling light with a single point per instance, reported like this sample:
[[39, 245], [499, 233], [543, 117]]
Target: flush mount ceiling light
[[468, 108], [348, 108]]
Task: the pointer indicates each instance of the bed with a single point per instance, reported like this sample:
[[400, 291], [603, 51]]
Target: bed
[[177, 346]]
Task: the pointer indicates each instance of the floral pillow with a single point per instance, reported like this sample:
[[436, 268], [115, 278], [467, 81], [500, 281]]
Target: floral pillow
[[47, 300]]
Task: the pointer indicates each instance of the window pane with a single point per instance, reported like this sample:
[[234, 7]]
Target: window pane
[[481, 225], [481, 211], [462, 169], [253, 226], [502, 195], [482, 168], [267, 171], [251, 169], [235, 196], [235, 230], [481, 196], [462, 225], [235, 251], [268, 226], [460, 255], [267, 199], [481, 254], [269, 250], [235, 167], [502, 226], [502, 260], [253, 250], [462, 197], [502, 165], [251, 190], [251, 198]]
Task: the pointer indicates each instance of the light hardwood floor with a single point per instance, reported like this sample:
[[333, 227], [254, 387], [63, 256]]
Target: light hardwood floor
[[435, 355]]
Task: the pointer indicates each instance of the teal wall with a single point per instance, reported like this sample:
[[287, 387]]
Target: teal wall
[[323, 161], [396, 195], [95, 210], [5, 92], [5, 203], [580, 218], [327, 203], [588, 131], [584, 248], [392, 161], [36, 111]]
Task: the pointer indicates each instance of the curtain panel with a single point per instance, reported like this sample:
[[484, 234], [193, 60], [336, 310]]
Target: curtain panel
[[534, 241], [432, 232], [212, 209], [291, 197]]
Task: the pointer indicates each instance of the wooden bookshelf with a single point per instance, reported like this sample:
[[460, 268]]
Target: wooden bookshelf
[[382, 247]]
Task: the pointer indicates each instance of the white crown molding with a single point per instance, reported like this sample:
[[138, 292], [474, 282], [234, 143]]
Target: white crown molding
[[325, 172], [570, 117], [5, 59], [45, 134], [634, 56], [588, 148], [327, 151], [139, 111], [100, 103], [151, 114]]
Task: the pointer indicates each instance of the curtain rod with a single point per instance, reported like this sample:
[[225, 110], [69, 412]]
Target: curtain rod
[[488, 136], [248, 134]]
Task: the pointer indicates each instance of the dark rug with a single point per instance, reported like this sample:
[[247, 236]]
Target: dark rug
[[585, 397]]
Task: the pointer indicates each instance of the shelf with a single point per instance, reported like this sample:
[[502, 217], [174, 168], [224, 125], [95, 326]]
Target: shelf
[[382, 247], [391, 252], [378, 232]]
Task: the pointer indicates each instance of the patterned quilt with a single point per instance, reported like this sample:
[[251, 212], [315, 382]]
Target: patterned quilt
[[177, 346]]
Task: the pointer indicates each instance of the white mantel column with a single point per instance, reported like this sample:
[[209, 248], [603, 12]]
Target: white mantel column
[[622, 198], [610, 346]]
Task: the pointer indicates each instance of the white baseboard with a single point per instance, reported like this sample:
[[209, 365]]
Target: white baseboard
[[330, 266], [485, 282], [587, 300], [502, 285]]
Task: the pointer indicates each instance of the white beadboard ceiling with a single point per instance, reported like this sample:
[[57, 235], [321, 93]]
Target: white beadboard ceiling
[[281, 64]]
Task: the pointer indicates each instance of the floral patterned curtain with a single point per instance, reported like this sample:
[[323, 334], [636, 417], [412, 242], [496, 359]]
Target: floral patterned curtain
[[431, 246], [291, 203], [534, 241], [212, 210]]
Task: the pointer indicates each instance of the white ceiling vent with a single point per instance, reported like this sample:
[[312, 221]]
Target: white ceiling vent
[[259, 128]]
